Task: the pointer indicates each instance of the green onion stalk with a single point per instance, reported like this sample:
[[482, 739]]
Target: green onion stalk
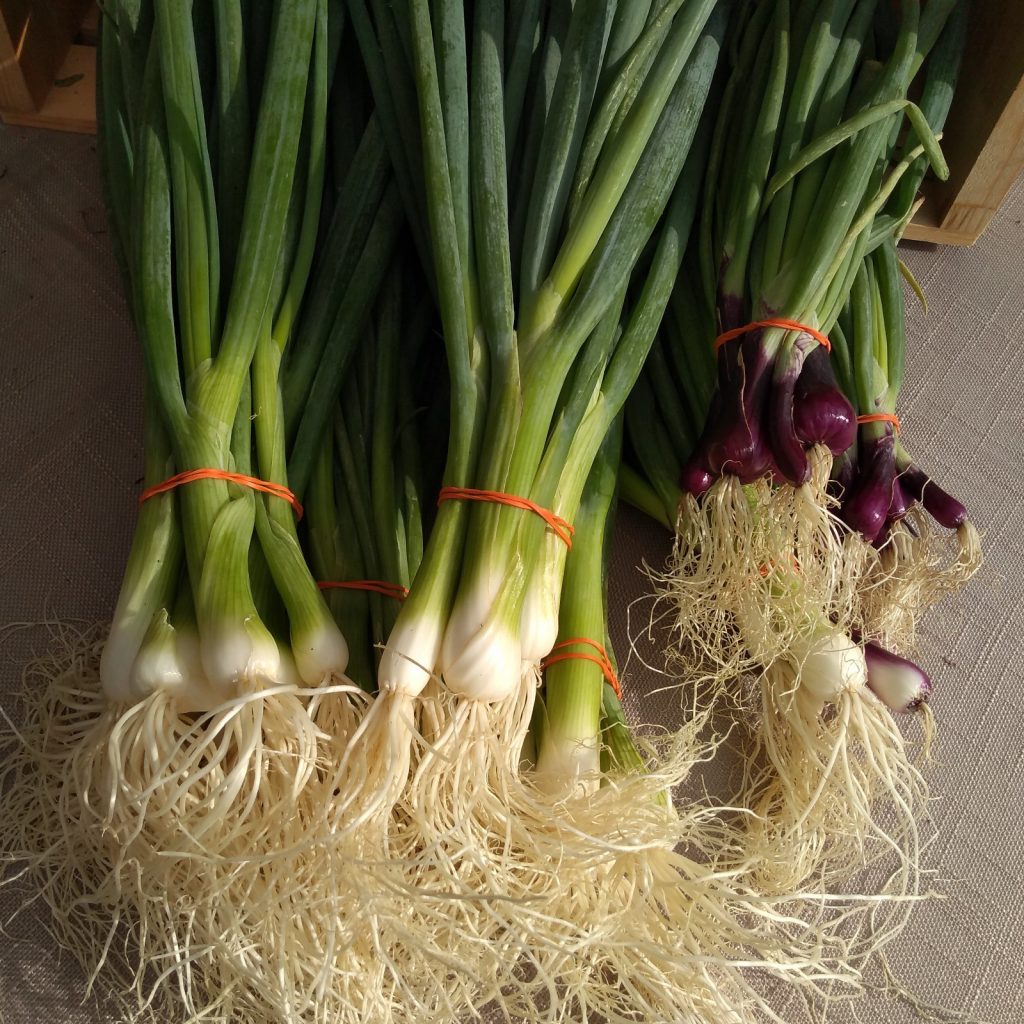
[[165, 768], [363, 936], [686, 937], [776, 242], [367, 483], [765, 581], [528, 353], [571, 724], [885, 496]]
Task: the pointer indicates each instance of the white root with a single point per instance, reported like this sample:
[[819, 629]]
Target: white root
[[579, 903], [917, 567], [187, 863], [276, 859], [775, 555], [832, 791], [765, 589]]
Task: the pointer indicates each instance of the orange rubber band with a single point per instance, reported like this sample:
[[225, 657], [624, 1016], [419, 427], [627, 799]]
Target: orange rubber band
[[192, 475], [562, 528], [767, 568], [881, 417], [382, 587], [775, 321], [600, 659]]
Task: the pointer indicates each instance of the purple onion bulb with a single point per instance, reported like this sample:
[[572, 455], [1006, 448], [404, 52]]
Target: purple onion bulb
[[822, 414], [939, 504], [898, 683], [867, 504]]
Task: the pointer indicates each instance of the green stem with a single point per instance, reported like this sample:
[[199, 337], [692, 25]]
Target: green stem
[[234, 132], [274, 155], [573, 688], [154, 562], [316, 161], [340, 345], [196, 243], [636, 491]]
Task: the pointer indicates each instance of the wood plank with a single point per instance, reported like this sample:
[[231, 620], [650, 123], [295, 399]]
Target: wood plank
[[928, 224], [14, 91], [71, 108], [89, 30], [932, 231], [997, 166], [33, 44], [991, 73], [984, 136]]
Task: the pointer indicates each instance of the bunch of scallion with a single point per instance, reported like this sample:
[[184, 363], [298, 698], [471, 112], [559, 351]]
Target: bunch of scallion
[[532, 238], [765, 583], [886, 498], [778, 605], [166, 773]]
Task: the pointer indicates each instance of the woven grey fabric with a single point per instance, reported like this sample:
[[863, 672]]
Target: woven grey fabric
[[70, 461]]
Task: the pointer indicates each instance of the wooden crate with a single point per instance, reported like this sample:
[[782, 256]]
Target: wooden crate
[[984, 136], [48, 63]]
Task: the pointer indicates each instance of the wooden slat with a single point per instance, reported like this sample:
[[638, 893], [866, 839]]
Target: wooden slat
[[926, 228], [89, 30], [984, 136], [71, 108], [34, 40], [14, 90]]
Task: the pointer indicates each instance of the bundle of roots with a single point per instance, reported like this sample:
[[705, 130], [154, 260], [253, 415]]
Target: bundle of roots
[[769, 594], [234, 866], [918, 566]]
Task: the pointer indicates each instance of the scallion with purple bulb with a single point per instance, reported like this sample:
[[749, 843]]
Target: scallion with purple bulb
[[766, 582]]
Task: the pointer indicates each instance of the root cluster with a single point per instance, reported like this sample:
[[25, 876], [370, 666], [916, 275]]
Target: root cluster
[[314, 855], [227, 867], [918, 566], [755, 569], [832, 800]]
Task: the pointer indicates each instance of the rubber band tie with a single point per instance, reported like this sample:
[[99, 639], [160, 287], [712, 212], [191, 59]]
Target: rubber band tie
[[600, 659], [775, 321], [255, 483], [382, 587], [561, 527], [881, 417], [765, 569]]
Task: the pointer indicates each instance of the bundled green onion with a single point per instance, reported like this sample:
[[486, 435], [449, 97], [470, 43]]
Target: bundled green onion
[[885, 497], [167, 774], [777, 249], [538, 365], [766, 584]]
